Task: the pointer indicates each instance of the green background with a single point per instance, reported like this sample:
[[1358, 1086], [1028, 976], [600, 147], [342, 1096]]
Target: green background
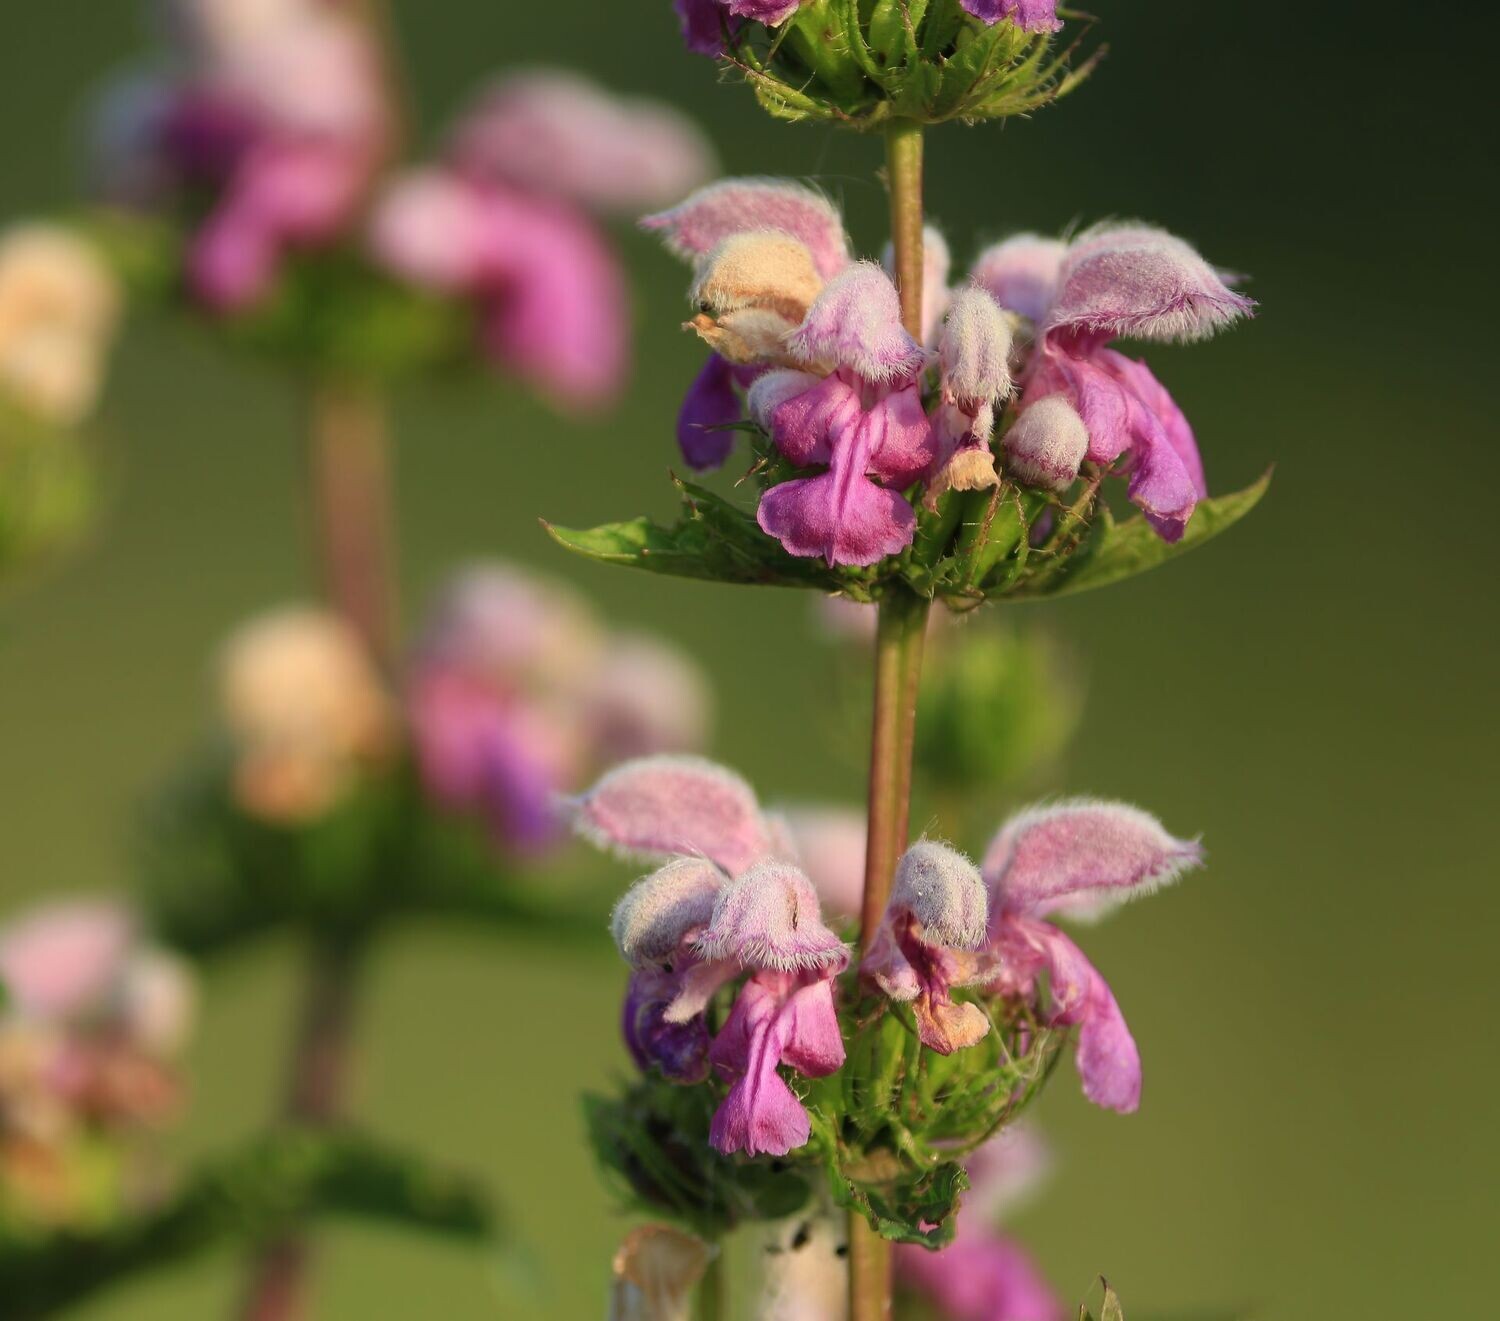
[[1314, 693]]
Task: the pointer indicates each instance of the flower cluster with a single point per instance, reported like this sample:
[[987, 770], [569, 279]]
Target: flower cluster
[[515, 693], [58, 309], [273, 137], [503, 218], [731, 901], [272, 123], [810, 343], [305, 710], [89, 1036]]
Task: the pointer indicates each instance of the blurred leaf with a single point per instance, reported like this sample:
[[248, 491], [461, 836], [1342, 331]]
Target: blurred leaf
[[48, 490], [276, 1183], [1113, 551]]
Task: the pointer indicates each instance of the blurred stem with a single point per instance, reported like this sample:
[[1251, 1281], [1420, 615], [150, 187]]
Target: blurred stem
[[898, 674], [349, 479], [315, 1096]]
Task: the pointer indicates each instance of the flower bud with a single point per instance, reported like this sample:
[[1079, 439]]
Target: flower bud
[[974, 350], [1047, 444], [769, 917], [657, 912], [942, 890]]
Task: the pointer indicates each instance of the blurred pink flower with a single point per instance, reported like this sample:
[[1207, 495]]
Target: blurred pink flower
[[516, 692]]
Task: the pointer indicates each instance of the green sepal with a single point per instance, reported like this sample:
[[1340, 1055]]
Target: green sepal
[[277, 1182], [1110, 552]]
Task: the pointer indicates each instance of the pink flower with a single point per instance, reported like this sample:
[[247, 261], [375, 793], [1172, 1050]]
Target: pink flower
[[923, 948], [829, 842], [62, 960], [516, 693], [1028, 15], [551, 133], [724, 905], [1111, 282], [550, 295], [1080, 859]]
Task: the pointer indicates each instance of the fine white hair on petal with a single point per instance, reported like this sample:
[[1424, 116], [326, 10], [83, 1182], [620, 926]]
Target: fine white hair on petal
[[856, 323], [653, 916], [735, 206], [1083, 857], [1048, 443], [769, 917], [974, 348], [1139, 281], [1021, 272], [943, 890], [775, 388]]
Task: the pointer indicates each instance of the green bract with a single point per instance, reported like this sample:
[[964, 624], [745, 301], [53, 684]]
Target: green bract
[[1010, 543], [862, 62], [890, 1130]]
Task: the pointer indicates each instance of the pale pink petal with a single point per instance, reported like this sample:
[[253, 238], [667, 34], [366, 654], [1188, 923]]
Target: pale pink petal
[[1047, 444], [554, 132], [769, 918], [738, 206], [974, 350], [1021, 273], [659, 911], [1143, 283], [856, 323], [1082, 855], [660, 807], [429, 227], [64, 958]]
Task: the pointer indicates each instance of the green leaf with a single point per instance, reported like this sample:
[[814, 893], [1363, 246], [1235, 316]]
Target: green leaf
[[276, 1183], [903, 1205], [1114, 551]]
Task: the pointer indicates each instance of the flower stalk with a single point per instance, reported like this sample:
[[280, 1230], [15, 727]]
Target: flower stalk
[[899, 639], [349, 481]]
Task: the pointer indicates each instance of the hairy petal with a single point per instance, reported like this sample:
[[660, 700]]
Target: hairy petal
[[1047, 444], [974, 350], [737, 206], [1021, 273], [829, 843], [1081, 857], [856, 323], [769, 918], [1140, 282], [660, 807], [1028, 15], [943, 891], [656, 914]]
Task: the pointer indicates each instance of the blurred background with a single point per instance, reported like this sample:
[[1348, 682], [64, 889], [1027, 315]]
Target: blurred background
[[1314, 692]]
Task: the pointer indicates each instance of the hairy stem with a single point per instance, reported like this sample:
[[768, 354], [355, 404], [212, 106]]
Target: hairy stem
[[898, 673], [903, 164]]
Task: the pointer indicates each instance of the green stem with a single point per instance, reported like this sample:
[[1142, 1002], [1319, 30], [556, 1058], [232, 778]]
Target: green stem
[[898, 673], [903, 156]]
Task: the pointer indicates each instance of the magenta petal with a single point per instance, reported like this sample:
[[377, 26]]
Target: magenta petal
[[661, 807], [557, 311], [709, 408], [1082, 856], [903, 444], [703, 23], [841, 516], [233, 262], [805, 425], [814, 1045], [1028, 15], [1109, 1064], [761, 1114], [742, 206]]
